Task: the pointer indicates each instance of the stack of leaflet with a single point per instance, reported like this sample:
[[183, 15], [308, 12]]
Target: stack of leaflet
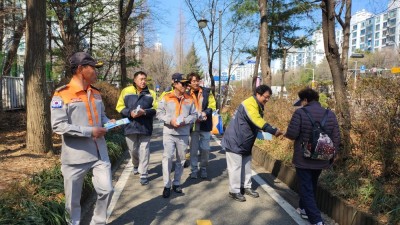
[[117, 123], [264, 135]]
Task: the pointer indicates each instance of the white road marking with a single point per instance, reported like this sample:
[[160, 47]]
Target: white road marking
[[119, 187], [278, 199], [274, 195]]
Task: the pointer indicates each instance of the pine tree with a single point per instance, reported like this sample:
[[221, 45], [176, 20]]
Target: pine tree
[[192, 62]]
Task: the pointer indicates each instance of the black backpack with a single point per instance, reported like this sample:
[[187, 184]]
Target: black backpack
[[320, 145]]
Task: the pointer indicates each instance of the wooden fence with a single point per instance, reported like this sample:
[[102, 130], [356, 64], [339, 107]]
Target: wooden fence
[[12, 92]]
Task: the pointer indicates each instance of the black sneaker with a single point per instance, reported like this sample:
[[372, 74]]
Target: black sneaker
[[187, 163], [144, 181], [177, 189], [251, 192], [237, 196], [166, 192]]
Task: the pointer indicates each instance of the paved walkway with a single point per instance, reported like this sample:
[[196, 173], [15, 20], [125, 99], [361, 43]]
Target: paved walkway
[[203, 201]]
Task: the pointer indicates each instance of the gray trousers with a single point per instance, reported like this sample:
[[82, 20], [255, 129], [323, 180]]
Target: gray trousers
[[73, 180], [239, 171], [174, 145], [199, 140], [139, 149]]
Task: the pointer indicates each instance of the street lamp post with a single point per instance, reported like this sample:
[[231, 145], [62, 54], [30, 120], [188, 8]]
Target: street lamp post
[[202, 24], [219, 61]]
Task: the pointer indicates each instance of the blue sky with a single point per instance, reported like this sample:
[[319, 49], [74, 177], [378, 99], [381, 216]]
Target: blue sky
[[169, 15]]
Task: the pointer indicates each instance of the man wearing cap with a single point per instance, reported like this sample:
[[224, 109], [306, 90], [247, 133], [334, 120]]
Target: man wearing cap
[[78, 114], [138, 103], [177, 110]]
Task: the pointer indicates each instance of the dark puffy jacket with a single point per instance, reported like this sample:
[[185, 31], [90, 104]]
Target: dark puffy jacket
[[208, 104], [300, 129], [242, 131], [129, 100]]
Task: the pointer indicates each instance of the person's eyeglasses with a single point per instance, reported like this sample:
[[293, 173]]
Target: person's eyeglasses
[[266, 97], [183, 83]]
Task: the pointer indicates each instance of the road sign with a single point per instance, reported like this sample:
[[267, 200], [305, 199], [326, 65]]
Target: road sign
[[362, 69], [357, 55], [224, 77], [395, 70]]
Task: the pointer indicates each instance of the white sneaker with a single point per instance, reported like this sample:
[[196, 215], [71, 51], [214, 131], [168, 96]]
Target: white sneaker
[[319, 223], [302, 213], [135, 170]]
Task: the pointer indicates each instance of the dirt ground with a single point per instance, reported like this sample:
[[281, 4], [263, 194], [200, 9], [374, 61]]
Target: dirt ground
[[16, 162]]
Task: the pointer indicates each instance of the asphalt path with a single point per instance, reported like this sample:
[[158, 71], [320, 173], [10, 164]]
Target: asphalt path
[[203, 202]]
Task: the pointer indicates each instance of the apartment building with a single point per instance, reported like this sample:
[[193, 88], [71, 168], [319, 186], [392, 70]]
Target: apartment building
[[369, 32]]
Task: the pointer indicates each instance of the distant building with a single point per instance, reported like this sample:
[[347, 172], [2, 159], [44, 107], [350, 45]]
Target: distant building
[[369, 32], [158, 45], [244, 70], [300, 57]]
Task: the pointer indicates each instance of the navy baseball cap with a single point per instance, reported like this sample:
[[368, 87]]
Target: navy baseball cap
[[297, 102], [83, 58], [178, 77]]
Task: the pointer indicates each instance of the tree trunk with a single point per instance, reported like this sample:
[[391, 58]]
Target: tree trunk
[[283, 72], [12, 53], [38, 135], [342, 109], [1, 25], [90, 50], [210, 72], [124, 14], [346, 37], [256, 65], [1, 48], [122, 56], [271, 32], [50, 50], [69, 34], [265, 70]]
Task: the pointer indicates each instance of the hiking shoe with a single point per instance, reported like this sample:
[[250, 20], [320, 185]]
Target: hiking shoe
[[251, 192], [135, 170], [203, 173], [177, 189], [302, 213], [237, 196], [319, 223], [166, 192], [193, 175], [186, 164], [144, 181]]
